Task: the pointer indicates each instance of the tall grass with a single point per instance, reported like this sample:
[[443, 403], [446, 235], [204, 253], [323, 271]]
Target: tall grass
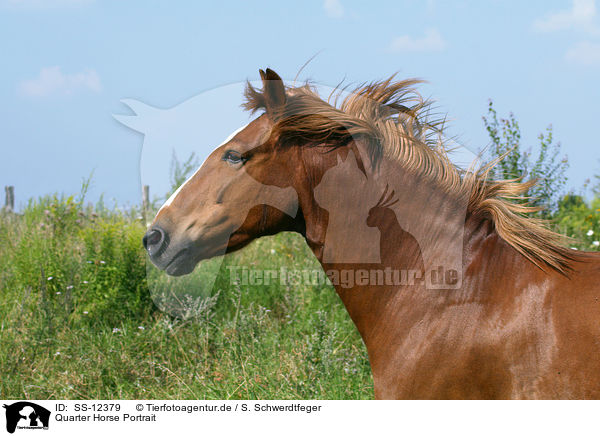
[[77, 319]]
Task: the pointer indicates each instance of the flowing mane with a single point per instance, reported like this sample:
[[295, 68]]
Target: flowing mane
[[397, 123]]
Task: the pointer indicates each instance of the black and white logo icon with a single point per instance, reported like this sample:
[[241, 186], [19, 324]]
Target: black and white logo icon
[[26, 415]]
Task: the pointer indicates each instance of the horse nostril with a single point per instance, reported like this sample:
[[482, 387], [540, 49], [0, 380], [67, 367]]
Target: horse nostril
[[153, 239]]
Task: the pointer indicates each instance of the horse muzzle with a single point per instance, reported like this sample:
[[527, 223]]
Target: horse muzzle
[[179, 255], [172, 258]]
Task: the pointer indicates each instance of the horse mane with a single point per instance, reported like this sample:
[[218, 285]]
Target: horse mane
[[397, 123]]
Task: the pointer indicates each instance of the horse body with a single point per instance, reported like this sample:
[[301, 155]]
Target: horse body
[[511, 331], [459, 295]]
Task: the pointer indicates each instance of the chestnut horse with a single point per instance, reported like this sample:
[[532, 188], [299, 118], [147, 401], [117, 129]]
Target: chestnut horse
[[457, 291]]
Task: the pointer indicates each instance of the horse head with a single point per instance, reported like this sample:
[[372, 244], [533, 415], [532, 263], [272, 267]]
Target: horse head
[[240, 192]]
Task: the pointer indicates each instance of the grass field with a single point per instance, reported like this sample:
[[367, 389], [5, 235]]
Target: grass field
[[77, 318], [84, 316]]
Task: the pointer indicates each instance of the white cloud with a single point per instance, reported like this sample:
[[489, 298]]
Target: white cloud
[[580, 17], [585, 53], [432, 41], [333, 8], [52, 80]]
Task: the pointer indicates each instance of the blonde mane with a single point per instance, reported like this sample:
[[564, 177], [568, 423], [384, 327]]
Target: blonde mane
[[397, 123]]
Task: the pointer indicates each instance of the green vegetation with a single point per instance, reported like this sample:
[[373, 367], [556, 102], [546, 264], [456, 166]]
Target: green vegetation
[[548, 168], [78, 322], [579, 220]]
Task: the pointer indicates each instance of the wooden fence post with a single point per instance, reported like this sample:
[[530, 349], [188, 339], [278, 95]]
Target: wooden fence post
[[145, 197], [9, 204]]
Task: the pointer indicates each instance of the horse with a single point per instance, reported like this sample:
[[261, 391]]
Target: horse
[[496, 306]]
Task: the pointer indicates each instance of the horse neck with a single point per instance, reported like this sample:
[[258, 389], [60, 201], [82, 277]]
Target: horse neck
[[335, 203], [446, 236], [491, 260]]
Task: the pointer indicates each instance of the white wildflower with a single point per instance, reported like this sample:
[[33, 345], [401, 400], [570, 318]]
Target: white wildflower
[[596, 243], [590, 232]]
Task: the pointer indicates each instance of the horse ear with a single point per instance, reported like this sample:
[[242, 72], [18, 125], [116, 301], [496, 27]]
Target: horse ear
[[273, 90]]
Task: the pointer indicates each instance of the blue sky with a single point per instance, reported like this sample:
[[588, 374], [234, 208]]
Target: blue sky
[[66, 64]]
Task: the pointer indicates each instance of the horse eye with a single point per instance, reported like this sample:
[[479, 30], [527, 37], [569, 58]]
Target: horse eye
[[233, 157]]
